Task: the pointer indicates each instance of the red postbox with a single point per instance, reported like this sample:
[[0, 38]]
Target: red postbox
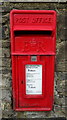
[[33, 47]]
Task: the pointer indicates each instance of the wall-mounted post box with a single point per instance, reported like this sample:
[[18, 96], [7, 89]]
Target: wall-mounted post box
[[33, 42]]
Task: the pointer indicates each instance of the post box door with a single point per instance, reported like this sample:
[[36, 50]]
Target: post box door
[[42, 82]]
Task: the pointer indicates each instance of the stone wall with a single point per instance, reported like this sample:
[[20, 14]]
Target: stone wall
[[60, 69]]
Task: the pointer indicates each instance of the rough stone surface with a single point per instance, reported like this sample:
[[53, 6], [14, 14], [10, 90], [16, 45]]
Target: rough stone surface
[[61, 61], [33, 1]]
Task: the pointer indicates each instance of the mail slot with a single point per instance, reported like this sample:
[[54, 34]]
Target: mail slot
[[33, 49]]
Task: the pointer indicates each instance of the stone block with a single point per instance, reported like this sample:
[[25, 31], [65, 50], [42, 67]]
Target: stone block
[[6, 94], [6, 8], [5, 18], [9, 114], [6, 62], [6, 80], [6, 53], [6, 43], [61, 57], [5, 31], [58, 111]]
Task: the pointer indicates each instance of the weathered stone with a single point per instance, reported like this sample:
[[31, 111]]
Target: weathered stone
[[58, 111], [0, 43], [6, 95], [39, 114], [5, 105], [6, 81], [5, 31], [6, 8], [0, 95], [0, 62], [59, 90], [9, 114], [60, 58], [6, 75], [1, 79], [6, 62], [5, 18], [20, 115], [6, 43], [5, 52], [6, 71]]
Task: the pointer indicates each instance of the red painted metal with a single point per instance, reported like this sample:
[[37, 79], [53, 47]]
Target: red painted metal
[[33, 32]]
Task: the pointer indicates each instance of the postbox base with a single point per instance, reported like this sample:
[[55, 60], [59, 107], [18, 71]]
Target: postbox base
[[33, 109]]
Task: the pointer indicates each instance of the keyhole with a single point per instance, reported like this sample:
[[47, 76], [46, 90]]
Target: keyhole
[[22, 81]]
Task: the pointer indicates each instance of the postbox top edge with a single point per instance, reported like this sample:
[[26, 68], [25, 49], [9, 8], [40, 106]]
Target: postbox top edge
[[32, 11]]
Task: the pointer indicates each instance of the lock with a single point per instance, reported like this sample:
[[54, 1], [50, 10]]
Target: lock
[[33, 58]]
